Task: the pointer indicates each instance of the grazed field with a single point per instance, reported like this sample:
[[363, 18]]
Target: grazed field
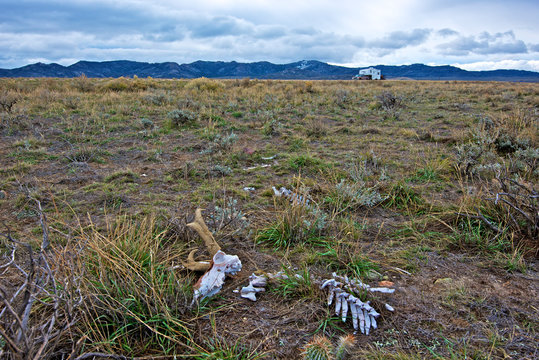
[[402, 178]]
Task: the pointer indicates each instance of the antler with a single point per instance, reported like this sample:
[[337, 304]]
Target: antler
[[213, 247]]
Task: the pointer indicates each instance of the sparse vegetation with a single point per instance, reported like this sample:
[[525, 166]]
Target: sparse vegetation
[[431, 186]]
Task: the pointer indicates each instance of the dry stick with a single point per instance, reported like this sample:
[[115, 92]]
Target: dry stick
[[102, 355], [519, 210], [9, 340], [43, 221], [483, 218]]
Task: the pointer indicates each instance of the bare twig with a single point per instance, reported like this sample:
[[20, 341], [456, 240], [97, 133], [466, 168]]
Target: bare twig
[[33, 281], [100, 355], [483, 218]]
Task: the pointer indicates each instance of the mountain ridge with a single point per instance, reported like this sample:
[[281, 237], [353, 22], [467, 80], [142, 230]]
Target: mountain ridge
[[303, 70]]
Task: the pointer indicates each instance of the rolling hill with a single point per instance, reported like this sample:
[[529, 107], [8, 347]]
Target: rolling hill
[[306, 69]]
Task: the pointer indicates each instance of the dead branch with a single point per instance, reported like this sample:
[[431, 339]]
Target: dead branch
[[31, 332], [482, 218], [100, 355]]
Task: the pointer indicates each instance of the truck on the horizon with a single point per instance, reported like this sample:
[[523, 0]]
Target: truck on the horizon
[[369, 74]]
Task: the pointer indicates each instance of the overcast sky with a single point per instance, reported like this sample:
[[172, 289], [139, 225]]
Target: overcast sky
[[472, 34]]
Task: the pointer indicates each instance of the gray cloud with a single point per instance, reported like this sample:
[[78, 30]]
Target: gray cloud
[[402, 39], [485, 43], [220, 26], [447, 32], [97, 18], [533, 47]]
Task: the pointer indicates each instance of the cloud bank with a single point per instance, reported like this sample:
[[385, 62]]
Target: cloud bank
[[349, 32]]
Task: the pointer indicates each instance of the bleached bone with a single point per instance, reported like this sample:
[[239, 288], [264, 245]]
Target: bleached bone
[[258, 281], [212, 281], [249, 292], [294, 198], [342, 293], [355, 285], [256, 284]]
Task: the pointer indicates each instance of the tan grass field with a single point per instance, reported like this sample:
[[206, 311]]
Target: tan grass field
[[432, 186]]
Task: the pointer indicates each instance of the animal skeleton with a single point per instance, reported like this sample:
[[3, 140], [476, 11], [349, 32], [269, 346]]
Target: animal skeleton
[[216, 269], [363, 314]]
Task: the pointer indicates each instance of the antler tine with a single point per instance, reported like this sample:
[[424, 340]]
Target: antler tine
[[193, 265], [213, 247], [200, 227]]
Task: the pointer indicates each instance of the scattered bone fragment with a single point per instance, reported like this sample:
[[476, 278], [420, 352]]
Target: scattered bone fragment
[[257, 166], [278, 275], [256, 284], [249, 292]]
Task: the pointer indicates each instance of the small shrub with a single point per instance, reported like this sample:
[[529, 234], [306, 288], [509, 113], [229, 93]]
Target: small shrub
[[156, 98], [146, 123], [508, 144], [467, 157], [271, 128], [205, 84], [178, 118], [358, 194], [315, 127], [389, 101], [342, 97], [83, 84], [517, 207], [221, 143], [116, 85], [525, 163], [7, 100], [221, 170]]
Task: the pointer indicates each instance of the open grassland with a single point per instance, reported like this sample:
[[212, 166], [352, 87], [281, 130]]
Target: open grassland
[[429, 185]]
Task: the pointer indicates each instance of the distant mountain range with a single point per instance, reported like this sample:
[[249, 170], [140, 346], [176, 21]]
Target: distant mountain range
[[306, 69]]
